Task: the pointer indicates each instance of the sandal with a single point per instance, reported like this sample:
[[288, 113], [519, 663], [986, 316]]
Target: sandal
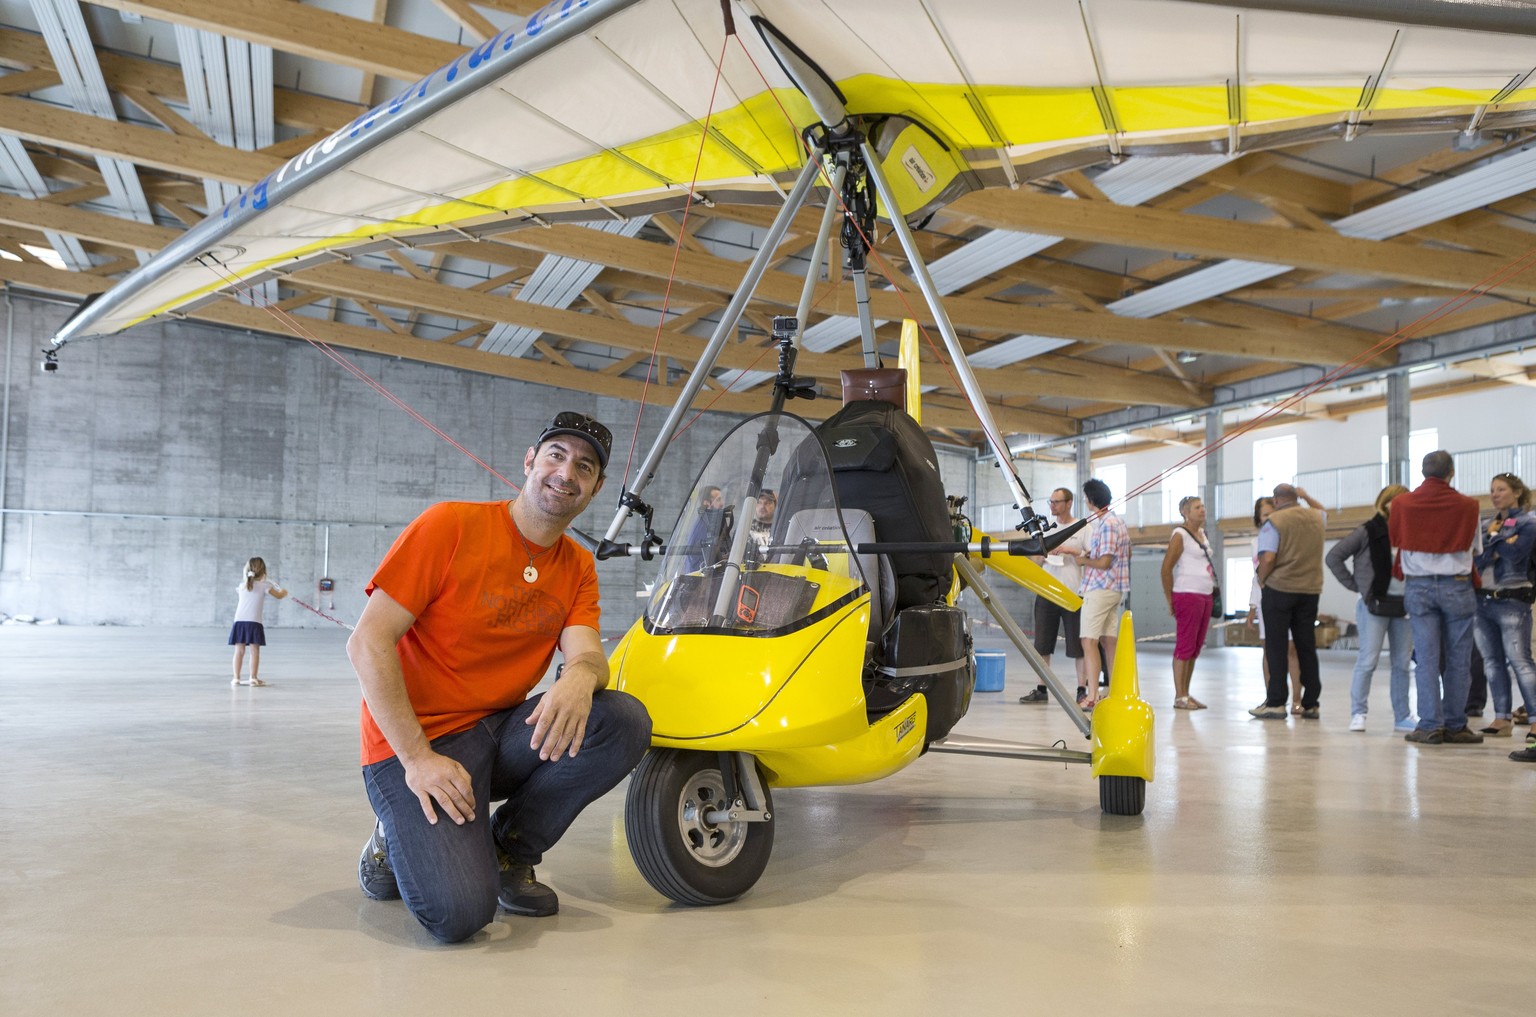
[[1086, 704], [257, 681], [1183, 704], [1296, 709], [1500, 728], [1195, 704]]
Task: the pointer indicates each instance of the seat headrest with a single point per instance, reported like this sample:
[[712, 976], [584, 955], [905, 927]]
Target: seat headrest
[[879, 384]]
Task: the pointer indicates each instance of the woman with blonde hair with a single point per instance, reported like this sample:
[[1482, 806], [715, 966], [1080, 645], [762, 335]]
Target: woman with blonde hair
[[248, 630], [1362, 562]]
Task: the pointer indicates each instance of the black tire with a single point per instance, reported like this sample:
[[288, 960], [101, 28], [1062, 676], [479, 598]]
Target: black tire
[[679, 853], [1122, 796]]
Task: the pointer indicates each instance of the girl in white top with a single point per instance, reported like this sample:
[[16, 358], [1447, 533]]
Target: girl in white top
[[248, 630]]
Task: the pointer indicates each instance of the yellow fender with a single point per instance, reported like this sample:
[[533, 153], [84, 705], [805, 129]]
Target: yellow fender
[[1029, 575], [908, 358], [1122, 721]]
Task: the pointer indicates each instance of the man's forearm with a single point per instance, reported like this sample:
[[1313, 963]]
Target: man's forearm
[[383, 684], [591, 668]]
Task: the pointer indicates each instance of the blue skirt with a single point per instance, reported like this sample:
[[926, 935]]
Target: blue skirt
[[247, 633]]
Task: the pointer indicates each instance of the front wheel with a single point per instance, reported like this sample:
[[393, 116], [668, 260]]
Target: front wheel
[[1122, 796], [676, 847]]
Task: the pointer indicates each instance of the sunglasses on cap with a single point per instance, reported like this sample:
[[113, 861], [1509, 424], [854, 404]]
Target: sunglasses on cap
[[582, 426]]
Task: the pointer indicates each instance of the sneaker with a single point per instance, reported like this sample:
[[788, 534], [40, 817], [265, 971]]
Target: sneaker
[[521, 893], [1434, 736], [1409, 724], [1309, 713], [1264, 712], [1525, 755], [1037, 696], [373, 872], [1463, 736], [1357, 722]]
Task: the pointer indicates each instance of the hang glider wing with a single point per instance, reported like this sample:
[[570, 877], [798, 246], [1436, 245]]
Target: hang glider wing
[[593, 110]]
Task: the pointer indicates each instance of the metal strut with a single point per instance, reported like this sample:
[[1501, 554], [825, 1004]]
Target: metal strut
[[609, 547]]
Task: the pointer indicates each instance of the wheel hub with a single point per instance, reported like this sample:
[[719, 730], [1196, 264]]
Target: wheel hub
[[711, 844]]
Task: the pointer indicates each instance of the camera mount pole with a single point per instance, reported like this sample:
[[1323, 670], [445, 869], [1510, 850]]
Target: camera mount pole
[[732, 314]]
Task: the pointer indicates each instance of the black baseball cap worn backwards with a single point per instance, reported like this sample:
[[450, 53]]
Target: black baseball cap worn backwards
[[582, 426]]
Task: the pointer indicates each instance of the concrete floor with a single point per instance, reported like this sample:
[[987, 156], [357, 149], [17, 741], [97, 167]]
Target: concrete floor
[[171, 845]]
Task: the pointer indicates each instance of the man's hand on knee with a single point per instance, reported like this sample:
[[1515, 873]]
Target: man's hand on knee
[[439, 778], [560, 720]]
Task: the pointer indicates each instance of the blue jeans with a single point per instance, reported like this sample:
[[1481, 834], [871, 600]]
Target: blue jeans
[[1293, 616], [1440, 610], [1503, 632], [448, 874], [1375, 630]]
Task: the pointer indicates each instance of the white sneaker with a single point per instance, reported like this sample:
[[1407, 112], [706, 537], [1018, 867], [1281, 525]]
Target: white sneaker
[[1357, 722]]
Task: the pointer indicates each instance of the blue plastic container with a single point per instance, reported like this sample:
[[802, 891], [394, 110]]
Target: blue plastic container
[[991, 669]]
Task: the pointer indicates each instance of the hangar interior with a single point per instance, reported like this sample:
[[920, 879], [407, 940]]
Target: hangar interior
[[1126, 303]]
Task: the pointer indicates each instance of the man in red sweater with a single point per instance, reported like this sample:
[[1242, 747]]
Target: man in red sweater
[[1435, 532]]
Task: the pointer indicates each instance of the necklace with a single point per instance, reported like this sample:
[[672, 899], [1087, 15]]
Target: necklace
[[531, 574]]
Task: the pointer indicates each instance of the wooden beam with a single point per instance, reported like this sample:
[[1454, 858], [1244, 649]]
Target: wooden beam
[[290, 108], [467, 18], [169, 118], [35, 80], [145, 146], [305, 31], [783, 289], [1155, 229]]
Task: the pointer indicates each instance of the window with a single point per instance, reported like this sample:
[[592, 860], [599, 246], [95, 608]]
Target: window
[[1274, 462], [1177, 486], [1420, 444], [1237, 585], [1114, 476]]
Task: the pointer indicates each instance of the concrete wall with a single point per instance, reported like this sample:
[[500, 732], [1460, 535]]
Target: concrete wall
[[198, 448]]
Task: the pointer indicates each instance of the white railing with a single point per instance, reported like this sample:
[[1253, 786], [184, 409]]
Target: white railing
[[1340, 487]]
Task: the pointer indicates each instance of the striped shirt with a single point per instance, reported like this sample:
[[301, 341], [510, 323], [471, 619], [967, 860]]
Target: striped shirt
[[1109, 536]]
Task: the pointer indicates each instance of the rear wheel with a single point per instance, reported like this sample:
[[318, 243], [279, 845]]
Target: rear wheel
[[677, 848], [1122, 796]]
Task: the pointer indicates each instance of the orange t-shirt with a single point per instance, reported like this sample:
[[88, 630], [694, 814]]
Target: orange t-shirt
[[483, 636]]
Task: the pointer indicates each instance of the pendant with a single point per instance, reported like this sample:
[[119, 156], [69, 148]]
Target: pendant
[[530, 574]]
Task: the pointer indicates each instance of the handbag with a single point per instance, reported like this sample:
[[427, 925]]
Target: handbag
[[1385, 606], [1217, 611]]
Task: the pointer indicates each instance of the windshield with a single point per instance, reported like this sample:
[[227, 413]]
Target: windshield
[[760, 547]]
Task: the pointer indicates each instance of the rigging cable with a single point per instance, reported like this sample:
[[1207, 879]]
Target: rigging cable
[[293, 324]]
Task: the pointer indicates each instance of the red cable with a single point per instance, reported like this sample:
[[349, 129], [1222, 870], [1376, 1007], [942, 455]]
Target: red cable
[[1403, 334], [677, 251], [293, 324]]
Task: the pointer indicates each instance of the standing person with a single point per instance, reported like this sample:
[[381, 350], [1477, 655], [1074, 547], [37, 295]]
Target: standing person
[[1502, 629], [1263, 508], [463, 618], [1189, 585], [1290, 576], [1379, 612], [1435, 531], [1062, 565], [248, 629], [761, 530], [1106, 564]]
